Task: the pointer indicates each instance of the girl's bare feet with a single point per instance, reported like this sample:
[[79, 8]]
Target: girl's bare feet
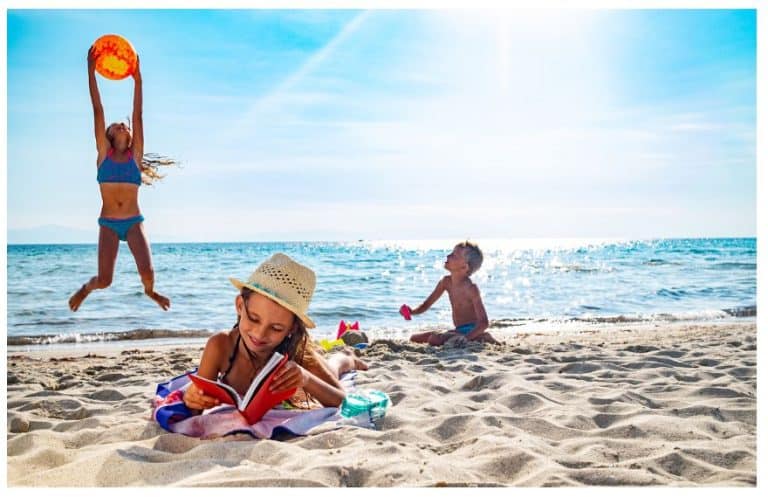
[[162, 301], [353, 354], [77, 298]]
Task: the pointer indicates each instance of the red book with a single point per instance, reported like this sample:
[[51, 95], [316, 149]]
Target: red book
[[258, 399]]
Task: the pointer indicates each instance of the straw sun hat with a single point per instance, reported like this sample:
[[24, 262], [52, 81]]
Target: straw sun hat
[[285, 281]]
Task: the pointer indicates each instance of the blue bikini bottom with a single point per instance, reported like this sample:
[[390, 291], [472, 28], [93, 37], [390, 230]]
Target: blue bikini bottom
[[464, 329], [120, 226]]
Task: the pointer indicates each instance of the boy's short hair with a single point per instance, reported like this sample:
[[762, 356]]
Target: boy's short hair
[[472, 254]]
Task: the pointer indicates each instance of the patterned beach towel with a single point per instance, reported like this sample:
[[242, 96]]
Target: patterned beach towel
[[171, 413]]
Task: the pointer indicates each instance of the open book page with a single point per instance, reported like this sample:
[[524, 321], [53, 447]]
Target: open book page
[[221, 391], [257, 382], [264, 399]]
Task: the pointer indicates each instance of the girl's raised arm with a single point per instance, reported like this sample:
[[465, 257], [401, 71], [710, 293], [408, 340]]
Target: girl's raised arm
[[137, 143], [99, 127]]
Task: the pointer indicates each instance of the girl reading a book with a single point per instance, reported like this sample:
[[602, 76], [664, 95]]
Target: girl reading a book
[[272, 317]]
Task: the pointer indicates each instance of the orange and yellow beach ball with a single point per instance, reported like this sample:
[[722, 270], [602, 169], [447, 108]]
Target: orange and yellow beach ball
[[115, 56]]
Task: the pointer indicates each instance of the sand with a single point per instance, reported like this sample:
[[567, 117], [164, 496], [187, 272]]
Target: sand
[[640, 404]]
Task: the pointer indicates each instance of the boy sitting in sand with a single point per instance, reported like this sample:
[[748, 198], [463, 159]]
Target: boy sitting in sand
[[467, 307]]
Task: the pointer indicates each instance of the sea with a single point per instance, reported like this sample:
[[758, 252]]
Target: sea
[[526, 285]]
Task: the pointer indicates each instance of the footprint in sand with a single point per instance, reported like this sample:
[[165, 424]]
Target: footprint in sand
[[485, 381], [719, 392], [603, 420], [535, 377], [449, 428], [545, 369], [672, 353], [106, 395], [508, 467], [481, 397], [51, 391], [559, 387], [396, 397], [580, 368], [708, 362], [686, 378], [743, 373], [640, 349], [111, 377], [735, 459], [522, 402], [684, 467], [60, 409], [625, 431], [535, 360], [427, 361]]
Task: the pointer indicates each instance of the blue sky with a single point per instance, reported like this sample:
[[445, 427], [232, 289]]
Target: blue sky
[[349, 124]]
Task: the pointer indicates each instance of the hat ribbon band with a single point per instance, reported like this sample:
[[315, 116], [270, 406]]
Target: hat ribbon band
[[266, 290]]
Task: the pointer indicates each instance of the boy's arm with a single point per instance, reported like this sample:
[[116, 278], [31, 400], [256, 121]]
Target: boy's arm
[[482, 318], [436, 293]]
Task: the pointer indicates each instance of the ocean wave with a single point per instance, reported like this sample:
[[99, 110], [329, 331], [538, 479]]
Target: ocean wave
[[138, 334], [750, 266], [47, 322], [576, 268], [508, 322], [675, 293], [700, 251], [353, 311], [742, 312], [702, 315], [661, 262]]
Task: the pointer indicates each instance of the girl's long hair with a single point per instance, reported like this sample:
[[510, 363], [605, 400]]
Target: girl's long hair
[[150, 167]]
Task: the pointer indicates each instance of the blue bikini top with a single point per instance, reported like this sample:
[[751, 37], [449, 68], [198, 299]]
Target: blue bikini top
[[111, 171]]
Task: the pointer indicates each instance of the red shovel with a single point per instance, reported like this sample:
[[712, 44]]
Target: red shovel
[[406, 312]]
